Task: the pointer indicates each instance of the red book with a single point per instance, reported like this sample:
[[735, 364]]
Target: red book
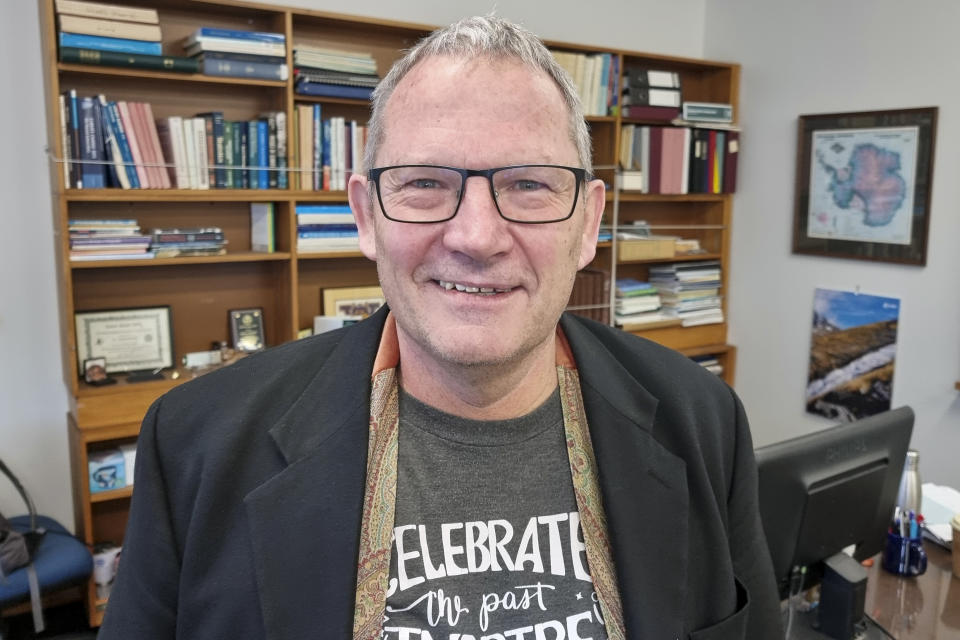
[[646, 112], [151, 125], [656, 158], [139, 116], [730, 162]]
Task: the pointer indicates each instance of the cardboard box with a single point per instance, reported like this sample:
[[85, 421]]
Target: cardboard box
[[107, 470], [650, 248]]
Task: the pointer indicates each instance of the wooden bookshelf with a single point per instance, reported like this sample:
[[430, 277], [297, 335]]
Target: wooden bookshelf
[[286, 284]]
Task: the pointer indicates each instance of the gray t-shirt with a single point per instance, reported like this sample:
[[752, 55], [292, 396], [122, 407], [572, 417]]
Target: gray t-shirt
[[487, 540]]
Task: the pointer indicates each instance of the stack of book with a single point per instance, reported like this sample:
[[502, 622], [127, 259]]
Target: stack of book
[[590, 297], [191, 241], [650, 94], [596, 78], [114, 35], [238, 54], [690, 291], [326, 227], [107, 239], [637, 305], [334, 74], [328, 151]]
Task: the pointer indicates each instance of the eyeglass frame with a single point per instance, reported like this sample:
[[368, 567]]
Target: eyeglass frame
[[579, 172]]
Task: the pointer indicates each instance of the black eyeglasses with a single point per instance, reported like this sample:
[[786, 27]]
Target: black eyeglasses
[[529, 193]]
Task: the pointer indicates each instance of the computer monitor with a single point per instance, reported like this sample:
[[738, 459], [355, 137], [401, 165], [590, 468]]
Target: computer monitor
[[825, 491]]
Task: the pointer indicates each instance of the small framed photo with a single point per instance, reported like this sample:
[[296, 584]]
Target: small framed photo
[[246, 329], [863, 187], [95, 372], [352, 302]]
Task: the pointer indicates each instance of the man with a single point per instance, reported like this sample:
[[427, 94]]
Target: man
[[469, 464]]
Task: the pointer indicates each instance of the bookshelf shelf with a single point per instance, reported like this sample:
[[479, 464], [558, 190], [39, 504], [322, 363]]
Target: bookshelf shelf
[[123, 72], [288, 285], [115, 494], [251, 256]]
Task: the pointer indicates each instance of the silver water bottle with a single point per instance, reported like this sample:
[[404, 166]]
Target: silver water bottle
[[910, 494]]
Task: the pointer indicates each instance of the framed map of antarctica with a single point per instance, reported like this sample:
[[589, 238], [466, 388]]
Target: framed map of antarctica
[[863, 184]]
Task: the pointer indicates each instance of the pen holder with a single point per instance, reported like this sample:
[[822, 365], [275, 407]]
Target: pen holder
[[904, 556]]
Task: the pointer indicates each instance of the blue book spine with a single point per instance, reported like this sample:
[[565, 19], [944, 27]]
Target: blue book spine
[[327, 228], [103, 43], [324, 208], [259, 36], [91, 145], [240, 69], [253, 154], [263, 159], [325, 154], [236, 158], [228, 154], [333, 90], [327, 234], [113, 117], [75, 141], [112, 179], [318, 135]]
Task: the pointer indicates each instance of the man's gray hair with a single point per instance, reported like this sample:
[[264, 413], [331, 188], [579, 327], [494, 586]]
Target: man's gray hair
[[481, 37]]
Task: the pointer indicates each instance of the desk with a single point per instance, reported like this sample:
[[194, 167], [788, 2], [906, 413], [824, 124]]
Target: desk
[[922, 608]]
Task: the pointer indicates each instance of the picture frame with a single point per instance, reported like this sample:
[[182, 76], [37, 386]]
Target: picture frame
[[132, 339], [863, 185], [352, 302], [246, 329], [95, 372]]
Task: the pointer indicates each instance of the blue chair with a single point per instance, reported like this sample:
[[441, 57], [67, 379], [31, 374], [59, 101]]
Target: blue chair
[[59, 559]]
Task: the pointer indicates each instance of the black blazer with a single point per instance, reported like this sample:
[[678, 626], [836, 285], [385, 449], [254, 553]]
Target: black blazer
[[249, 490]]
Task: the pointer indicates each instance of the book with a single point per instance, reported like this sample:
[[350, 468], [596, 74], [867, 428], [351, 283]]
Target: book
[[271, 119], [73, 55], [113, 145], [150, 124], [226, 67], [239, 159], [93, 170], [170, 132], [102, 43], [732, 152], [647, 112], [126, 122], [190, 149], [332, 90], [708, 112], [216, 156], [64, 138], [304, 153], [638, 78], [253, 155], [202, 156], [228, 45], [282, 177], [110, 28], [76, 178], [655, 97], [336, 77], [228, 154], [204, 33], [107, 11], [263, 154], [261, 227], [242, 57]]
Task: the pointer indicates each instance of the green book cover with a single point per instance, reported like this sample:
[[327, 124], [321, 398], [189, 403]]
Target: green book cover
[[72, 55]]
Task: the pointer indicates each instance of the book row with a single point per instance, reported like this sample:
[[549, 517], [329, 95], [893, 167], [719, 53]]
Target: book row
[[678, 160], [326, 227], [590, 297], [596, 77], [327, 151], [120, 144]]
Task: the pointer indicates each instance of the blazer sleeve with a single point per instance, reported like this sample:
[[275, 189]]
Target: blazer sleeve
[[748, 544], [143, 600]]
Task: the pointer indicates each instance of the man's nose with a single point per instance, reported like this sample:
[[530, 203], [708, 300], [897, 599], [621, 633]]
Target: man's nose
[[478, 230]]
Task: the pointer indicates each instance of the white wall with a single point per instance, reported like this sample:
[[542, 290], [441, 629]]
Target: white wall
[[822, 56], [33, 401]]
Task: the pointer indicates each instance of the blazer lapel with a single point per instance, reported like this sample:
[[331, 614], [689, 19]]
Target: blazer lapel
[[644, 490], [304, 522]]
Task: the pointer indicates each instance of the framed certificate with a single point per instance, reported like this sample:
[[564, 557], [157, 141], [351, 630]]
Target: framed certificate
[[246, 329], [127, 339], [352, 302]]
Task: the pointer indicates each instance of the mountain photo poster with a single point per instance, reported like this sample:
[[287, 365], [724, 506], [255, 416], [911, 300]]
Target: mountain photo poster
[[853, 349]]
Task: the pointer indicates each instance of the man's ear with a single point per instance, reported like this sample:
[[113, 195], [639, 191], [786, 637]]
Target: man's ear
[[594, 201], [358, 194]]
